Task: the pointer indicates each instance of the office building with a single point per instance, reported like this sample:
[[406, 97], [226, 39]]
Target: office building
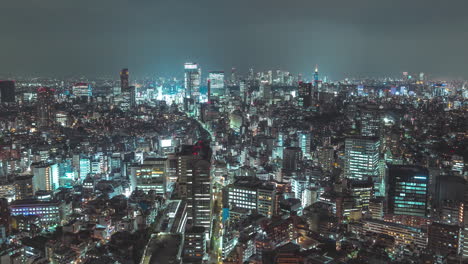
[[305, 94], [443, 239], [362, 155], [305, 143], [252, 194], [82, 90], [291, 158], [45, 177], [194, 182], [194, 244], [217, 86], [151, 176], [370, 123], [7, 91], [45, 107], [403, 235], [408, 190], [192, 81], [124, 84], [24, 187], [47, 211]]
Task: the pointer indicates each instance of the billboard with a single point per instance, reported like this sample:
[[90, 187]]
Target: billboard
[[166, 143]]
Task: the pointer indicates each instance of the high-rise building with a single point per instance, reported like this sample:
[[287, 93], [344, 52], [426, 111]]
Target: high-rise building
[[291, 158], [46, 177], [316, 77], [194, 182], [362, 156], [151, 176], [24, 187], [82, 90], [192, 81], [216, 79], [124, 84], [233, 76], [4, 220], [444, 239], [252, 194], [370, 123], [305, 94], [45, 107], [194, 244], [326, 158], [305, 142], [408, 190], [7, 91]]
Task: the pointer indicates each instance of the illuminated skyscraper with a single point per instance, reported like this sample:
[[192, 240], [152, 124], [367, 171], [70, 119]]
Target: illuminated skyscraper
[[291, 158], [305, 140], [45, 107], [151, 175], [217, 83], [194, 182], [45, 177], [233, 76], [192, 81], [124, 74], [305, 94], [362, 159], [316, 77], [408, 190], [127, 91], [7, 91], [370, 123]]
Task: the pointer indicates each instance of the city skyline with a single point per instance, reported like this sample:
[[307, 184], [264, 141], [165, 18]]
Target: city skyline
[[62, 38]]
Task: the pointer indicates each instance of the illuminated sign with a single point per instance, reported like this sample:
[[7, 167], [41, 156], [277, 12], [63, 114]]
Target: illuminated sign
[[166, 143], [191, 66]]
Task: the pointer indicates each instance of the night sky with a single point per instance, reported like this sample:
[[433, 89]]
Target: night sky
[[345, 37]]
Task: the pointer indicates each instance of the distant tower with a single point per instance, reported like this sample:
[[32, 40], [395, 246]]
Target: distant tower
[[233, 76], [124, 80], [305, 94], [7, 91], [209, 90], [192, 81], [216, 83], [316, 76], [45, 105]]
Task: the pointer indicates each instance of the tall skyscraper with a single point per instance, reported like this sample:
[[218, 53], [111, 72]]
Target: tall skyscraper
[[291, 158], [194, 182], [316, 77], [305, 142], [128, 92], [305, 94], [233, 76], [362, 156], [192, 81], [216, 79], [45, 107], [7, 91], [124, 84], [408, 190]]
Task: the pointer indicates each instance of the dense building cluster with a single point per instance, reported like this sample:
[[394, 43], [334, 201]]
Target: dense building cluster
[[263, 168]]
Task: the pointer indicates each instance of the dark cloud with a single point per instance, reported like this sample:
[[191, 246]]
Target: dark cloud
[[68, 37]]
